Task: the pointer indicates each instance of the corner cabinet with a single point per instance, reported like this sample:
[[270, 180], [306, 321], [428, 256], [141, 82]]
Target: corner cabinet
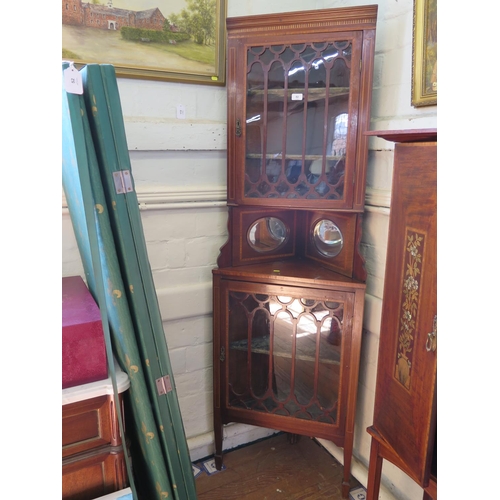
[[404, 420], [289, 287]]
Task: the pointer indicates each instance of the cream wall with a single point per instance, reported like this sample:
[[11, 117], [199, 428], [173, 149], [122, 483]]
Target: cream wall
[[179, 167]]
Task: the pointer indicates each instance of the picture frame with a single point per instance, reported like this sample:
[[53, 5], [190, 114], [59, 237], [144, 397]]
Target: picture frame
[[153, 44], [424, 53]]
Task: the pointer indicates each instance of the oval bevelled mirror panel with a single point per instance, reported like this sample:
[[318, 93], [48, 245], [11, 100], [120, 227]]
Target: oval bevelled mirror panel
[[327, 238], [267, 234]]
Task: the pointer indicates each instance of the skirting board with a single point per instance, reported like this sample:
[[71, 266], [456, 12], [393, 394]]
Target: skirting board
[[358, 470], [235, 435]]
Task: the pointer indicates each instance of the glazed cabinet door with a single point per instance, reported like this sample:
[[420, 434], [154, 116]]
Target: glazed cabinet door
[[294, 115], [405, 404], [285, 356]]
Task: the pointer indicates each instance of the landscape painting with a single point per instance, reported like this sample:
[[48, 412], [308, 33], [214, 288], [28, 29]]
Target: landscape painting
[[173, 40], [424, 70]]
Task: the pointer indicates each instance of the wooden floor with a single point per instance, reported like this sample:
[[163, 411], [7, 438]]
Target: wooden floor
[[275, 469]]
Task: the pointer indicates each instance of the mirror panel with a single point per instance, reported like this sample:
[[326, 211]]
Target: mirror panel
[[327, 238], [267, 234]]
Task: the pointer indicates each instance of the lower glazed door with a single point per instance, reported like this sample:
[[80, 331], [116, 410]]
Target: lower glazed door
[[283, 351], [287, 358]]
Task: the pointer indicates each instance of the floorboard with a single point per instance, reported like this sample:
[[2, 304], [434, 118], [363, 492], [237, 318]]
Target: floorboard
[[275, 469]]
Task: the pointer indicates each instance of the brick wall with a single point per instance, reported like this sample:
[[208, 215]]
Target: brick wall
[[72, 12]]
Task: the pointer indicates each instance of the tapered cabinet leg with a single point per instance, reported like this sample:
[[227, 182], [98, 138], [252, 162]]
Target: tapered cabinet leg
[[374, 472], [346, 483], [218, 437]]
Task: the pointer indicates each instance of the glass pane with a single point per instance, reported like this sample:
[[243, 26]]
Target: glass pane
[[297, 120], [314, 136], [238, 334], [338, 127], [281, 359], [254, 122], [259, 358], [284, 355], [305, 356], [274, 129]]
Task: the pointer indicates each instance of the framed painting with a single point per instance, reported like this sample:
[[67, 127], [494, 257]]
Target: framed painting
[[424, 71], [171, 40]]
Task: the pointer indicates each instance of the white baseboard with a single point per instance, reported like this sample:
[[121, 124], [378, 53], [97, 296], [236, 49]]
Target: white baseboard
[[358, 469], [234, 435]]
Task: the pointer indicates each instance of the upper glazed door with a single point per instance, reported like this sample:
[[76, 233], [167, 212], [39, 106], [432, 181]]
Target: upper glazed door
[[296, 123]]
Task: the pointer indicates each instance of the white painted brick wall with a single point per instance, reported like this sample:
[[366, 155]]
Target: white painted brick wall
[[179, 167]]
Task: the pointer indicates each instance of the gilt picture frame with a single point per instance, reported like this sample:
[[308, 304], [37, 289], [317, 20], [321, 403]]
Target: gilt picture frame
[[168, 40], [424, 53]]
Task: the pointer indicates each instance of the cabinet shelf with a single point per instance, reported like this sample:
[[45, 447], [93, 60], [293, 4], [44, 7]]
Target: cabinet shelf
[[283, 349], [312, 93]]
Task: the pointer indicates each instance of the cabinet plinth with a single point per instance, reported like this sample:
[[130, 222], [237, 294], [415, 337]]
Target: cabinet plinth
[[289, 288]]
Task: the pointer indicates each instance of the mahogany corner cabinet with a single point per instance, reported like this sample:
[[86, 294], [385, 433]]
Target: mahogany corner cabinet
[[289, 285]]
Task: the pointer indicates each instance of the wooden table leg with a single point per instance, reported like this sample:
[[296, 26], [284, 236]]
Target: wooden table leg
[[374, 472]]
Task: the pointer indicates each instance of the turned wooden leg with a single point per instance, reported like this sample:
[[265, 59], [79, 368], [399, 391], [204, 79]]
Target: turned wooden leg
[[374, 472]]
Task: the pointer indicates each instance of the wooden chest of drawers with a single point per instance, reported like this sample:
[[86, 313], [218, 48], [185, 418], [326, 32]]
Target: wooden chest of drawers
[[93, 462]]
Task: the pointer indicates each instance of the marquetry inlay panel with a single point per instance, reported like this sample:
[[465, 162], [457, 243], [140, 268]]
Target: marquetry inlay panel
[[410, 298]]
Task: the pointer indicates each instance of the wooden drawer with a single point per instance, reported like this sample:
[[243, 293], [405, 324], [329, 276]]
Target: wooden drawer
[[89, 424], [93, 474]]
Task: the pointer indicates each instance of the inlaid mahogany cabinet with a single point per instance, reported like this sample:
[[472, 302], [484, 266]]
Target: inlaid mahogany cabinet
[[289, 288], [404, 420]]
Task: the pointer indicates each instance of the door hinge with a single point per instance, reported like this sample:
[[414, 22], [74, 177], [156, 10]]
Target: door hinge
[[360, 64], [123, 181], [222, 354], [163, 385]]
